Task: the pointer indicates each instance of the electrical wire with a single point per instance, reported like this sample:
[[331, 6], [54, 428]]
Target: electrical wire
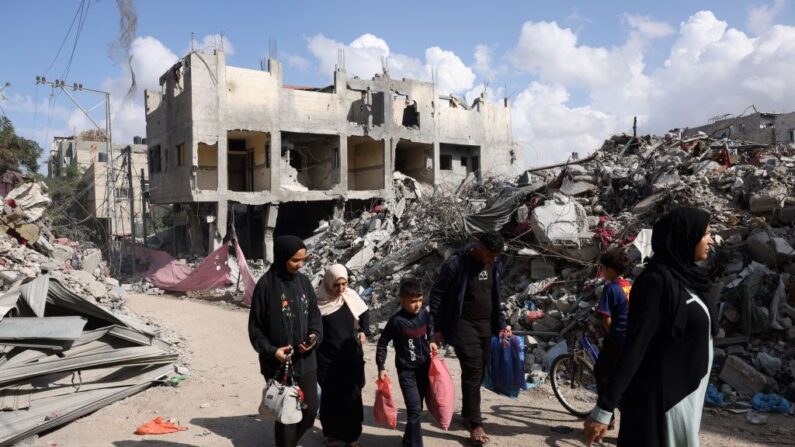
[[66, 37], [78, 33]]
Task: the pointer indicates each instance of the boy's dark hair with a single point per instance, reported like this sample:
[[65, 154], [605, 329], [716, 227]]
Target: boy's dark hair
[[616, 259], [409, 286], [492, 241]]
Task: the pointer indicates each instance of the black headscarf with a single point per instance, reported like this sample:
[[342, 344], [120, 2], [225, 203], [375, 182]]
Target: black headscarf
[[674, 239], [284, 247]]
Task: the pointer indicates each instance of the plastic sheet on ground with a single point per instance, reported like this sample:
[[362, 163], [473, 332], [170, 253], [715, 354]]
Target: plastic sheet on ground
[[213, 272]]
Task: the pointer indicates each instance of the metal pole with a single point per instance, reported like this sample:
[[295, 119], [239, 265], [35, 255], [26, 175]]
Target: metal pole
[[132, 208], [111, 176], [143, 205]]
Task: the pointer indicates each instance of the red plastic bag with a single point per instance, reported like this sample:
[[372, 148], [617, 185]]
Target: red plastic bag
[[385, 410], [441, 392]]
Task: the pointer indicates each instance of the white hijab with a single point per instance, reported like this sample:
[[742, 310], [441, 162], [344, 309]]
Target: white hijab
[[329, 302]]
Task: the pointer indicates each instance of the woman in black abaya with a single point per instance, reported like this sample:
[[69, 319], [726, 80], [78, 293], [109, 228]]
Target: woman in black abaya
[[340, 358], [285, 321], [662, 376]]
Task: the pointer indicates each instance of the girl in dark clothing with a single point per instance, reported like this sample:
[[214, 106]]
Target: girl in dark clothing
[[662, 375], [285, 321], [340, 359]]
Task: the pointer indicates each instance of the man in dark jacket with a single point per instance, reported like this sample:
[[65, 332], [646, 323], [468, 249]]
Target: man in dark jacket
[[465, 307]]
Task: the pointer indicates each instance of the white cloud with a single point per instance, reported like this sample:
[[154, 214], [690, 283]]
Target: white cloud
[[150, 59], [711, 69], [761, 17], [649, 27], [211, 42], [550, 130], [483, 62], [296, 61], [367, 55]]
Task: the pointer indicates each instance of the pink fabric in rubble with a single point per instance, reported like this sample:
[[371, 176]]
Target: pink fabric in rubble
[[168, 274], [245, 275]]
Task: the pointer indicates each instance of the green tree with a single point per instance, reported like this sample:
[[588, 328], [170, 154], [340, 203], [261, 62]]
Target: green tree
[[17, 153]]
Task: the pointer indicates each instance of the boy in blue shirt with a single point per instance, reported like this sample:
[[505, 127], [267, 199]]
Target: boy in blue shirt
[[614, 309]]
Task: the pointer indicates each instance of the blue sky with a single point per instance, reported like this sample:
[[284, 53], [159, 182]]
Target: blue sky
[[576, 71]]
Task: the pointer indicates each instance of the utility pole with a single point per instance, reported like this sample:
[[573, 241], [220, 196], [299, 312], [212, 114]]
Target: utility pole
[[143, 204], [111, 181], [132, 208], [635, 127]]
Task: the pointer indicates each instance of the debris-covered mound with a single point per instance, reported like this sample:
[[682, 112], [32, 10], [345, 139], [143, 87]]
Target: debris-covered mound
[[67, 345], [558, 219]]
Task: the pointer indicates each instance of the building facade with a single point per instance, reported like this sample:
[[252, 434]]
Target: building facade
[[235, 144], [90, 158], [762, 128]]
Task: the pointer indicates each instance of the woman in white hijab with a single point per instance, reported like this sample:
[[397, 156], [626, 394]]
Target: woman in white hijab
[[340, 358]]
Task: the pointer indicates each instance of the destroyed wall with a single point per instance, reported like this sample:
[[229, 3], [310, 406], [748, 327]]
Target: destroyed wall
[[763, 128]]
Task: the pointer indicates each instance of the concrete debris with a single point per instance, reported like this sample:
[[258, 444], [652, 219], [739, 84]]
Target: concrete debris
[[62, 317], [742, 377]]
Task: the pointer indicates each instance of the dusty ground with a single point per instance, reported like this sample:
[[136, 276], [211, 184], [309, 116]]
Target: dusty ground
[[226, 376]]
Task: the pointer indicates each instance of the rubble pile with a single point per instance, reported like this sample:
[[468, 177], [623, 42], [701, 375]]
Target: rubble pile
[[67, 345], [558, 219]]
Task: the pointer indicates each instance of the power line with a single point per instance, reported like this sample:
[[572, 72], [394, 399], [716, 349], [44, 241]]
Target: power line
[[63, 42], [77, 38]]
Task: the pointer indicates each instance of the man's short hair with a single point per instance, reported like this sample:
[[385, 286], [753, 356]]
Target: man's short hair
[[616, 259], [409, 286], [491, 241]]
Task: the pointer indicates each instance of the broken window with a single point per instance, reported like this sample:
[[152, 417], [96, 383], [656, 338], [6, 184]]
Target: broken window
[[181, 154], [207, 173], [154, 159], [365, 164], [411, 116], [446, 162], [309, 161], [415, 160], [458, 161], [368, 110], [248, 164]]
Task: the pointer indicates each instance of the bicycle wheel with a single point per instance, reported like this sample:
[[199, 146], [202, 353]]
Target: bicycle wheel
[[574, 384]]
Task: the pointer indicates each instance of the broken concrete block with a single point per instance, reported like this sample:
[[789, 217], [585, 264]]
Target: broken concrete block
[[576, 188], [767, 363], [360, 259], [62, 253], [91, 259], [742, 377], [770, 250], [648, 203], [560, 219], [768, 200]]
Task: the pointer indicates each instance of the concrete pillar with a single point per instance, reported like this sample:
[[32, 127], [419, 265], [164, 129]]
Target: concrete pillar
[[343, 186], [223, 169], [389, 164], [270, 213], [220, 221], [276, 161]]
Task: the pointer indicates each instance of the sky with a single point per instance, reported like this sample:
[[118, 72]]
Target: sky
[[575, 72]]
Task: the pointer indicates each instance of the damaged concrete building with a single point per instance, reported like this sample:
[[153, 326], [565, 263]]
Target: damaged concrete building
[[236, 148], [90, 159], [761, 128]]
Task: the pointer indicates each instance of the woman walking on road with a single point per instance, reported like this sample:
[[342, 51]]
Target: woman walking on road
[[663, 373], [340, 358], [285, 321]]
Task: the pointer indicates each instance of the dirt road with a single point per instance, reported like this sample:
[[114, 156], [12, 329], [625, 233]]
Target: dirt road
[[218, 403]]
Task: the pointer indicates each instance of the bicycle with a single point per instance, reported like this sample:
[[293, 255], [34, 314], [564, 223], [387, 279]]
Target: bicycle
[[572, 374]]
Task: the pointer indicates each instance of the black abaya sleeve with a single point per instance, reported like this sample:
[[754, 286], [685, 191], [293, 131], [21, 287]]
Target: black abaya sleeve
[[364, 323], [315, 320], [258, 321], [645, 318]]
